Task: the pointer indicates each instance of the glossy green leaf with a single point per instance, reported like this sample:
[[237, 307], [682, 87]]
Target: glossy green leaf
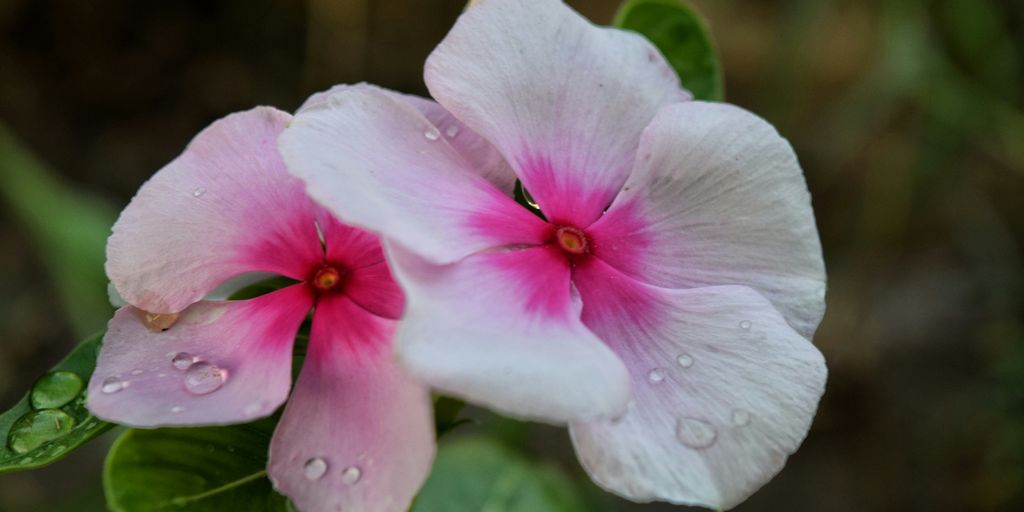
[[474, 474], [67, 227], [682, 36], [194, 469], [51, 420]]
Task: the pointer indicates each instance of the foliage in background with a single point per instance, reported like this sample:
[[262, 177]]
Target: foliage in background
[[68, 228], [682, 36]]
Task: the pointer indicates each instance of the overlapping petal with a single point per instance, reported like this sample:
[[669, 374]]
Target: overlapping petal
[[565, 101], [149, 379], [718, 197], [479, 154], [502, 329], [724, 390], [357, 434], [379, 163], [225, 207]]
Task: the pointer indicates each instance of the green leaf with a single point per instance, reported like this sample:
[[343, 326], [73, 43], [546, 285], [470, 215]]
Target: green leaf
[[682, 36], [480, 475], [69, 229], [196, 469], [446, 415], [51, 420]]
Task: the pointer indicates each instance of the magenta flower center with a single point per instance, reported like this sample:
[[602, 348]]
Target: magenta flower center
[[572, 240], [328, 278]]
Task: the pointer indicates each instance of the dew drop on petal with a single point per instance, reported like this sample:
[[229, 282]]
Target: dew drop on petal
[[203, 377], [745, 325], [684, 360], [198, 192], [315, 468], [351, 475], [452, 131], [431, 134], [137, 372], [159, 322], [182, 360], [112, 385], [695, 433], [656, 375], [740, 418], [177, 408]]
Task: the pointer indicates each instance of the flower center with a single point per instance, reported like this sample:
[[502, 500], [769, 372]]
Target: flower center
[[572, 240], [326, 278]]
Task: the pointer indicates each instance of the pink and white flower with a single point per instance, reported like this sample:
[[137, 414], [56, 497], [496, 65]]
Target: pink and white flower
[[677, 268], [357, 433]]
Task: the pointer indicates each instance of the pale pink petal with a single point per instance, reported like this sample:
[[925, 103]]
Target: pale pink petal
[[377, 162], [357, 434], [724, 390], [151, 379], [481, 156], [718, 198], [502, 329], [565, 101], [224, 207]]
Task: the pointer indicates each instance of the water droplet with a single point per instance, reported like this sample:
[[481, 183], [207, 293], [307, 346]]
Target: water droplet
[[684, 360], [158, 322], [202, 378], [55, 389], [177, 408], [431, 134], [182, 360], [740, 418], [198, 192], [161, 375], [452, 130], [137, 372], [315, 468], [745, 325], [38, 428], [112, 385], [351, 475], [695, 433], [656, 375]]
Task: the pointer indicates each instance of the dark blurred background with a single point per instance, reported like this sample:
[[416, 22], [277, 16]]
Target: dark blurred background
[[908, 116]]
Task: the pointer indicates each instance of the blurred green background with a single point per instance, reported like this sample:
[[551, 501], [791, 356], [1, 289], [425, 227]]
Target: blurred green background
[[908, 116]]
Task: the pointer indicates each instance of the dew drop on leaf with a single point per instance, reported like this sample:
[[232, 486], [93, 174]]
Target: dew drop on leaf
[[55, 389], [38, 428]]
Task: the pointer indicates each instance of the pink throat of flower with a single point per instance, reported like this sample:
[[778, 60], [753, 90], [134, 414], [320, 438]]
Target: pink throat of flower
[[572, 240], [327, 278]]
